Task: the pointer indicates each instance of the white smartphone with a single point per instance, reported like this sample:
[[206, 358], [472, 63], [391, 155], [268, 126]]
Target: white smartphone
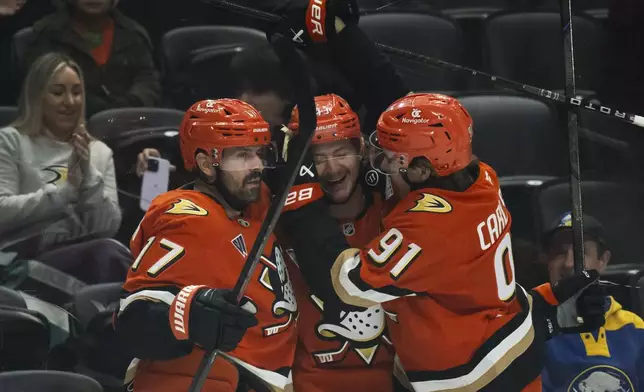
[[155, 181]]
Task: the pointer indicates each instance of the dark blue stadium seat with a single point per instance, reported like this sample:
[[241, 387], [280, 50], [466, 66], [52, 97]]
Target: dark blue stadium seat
[[9, 297], [623, 282], [22, 39], [25, 340], [113, 123], [180, 46], [528, 47], [428, 34], [512, 134], [47, 381], [7, 115], [101, 356], [617, 206]]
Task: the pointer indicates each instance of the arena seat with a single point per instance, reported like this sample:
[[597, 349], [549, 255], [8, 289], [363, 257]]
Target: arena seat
[[200, 84], [617, 206], [101, 356], [518, 194], [25, 337], [577, 4], [113, 123], [428, 34], [512, 133], [9, 297], [21, 41], [180, 46], [47, 381], [7, 115], [528, 47], [623, 283]]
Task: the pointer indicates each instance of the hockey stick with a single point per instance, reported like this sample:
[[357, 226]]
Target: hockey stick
[[572, 102], [573, 138], [296, 67]]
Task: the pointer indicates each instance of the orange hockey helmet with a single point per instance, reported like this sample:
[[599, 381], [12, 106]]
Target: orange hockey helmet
[[335, 120], [214, 125], [433, 126]]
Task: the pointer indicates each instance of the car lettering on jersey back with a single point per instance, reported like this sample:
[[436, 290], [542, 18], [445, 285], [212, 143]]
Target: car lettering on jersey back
[[432, 203], [186, 207]]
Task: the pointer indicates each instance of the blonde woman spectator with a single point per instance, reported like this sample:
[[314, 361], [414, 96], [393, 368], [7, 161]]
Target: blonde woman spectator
[[58, 196]]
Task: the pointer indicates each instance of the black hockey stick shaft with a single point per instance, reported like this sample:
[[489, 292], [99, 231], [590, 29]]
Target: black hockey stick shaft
[[572, 102], [567, 24], [304, 97]]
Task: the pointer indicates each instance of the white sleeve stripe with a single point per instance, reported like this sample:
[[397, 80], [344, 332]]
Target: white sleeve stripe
[[354, 291], [147, 295], [492, 359], [272, 378]]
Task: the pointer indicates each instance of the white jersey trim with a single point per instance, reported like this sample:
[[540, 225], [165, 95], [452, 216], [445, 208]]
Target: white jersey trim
[[489, 361], [354, 291], [147, 295], [272, 378]]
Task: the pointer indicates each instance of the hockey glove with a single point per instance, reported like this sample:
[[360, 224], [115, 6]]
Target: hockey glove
[[313, 21], [208, 318], [573, 305]]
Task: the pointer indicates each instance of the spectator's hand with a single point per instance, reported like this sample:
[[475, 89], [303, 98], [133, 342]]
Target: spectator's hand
[[307, 22], [78, 166], [142, 160]]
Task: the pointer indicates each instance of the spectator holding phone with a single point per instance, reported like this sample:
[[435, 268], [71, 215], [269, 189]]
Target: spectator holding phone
[[609, 359], [58, 199]]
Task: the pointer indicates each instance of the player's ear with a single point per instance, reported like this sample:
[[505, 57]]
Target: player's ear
[[205, 164], [419, 170]]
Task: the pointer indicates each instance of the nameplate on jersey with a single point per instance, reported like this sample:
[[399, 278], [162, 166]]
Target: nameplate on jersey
[[186, 207], [432, 203]]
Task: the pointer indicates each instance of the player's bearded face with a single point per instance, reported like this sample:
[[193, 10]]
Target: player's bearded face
[[338, 166], [241, 172]]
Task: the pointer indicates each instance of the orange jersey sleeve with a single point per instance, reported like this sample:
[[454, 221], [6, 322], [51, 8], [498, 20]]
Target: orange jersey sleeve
[[187, 239]]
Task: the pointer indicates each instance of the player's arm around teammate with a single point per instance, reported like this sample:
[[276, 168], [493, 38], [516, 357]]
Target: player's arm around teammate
[[190, 248]]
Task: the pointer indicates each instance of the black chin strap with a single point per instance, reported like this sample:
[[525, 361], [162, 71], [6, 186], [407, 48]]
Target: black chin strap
[[457, 182]]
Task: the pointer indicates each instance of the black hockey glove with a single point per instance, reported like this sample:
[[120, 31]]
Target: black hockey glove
[[209, 318], [307, 22], [573, 305]]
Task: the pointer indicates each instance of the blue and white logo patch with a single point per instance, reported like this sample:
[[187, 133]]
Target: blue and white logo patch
[[601, 378]]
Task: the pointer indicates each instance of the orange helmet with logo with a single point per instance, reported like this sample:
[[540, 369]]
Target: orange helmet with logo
[[335, 120], [214, 125], [433, 126]]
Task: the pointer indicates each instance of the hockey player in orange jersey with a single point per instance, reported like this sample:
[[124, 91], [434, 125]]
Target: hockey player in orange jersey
[[191, 246], [330, 356], [442, 268]]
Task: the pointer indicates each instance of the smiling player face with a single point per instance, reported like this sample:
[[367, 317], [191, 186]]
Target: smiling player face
[[338, 165]]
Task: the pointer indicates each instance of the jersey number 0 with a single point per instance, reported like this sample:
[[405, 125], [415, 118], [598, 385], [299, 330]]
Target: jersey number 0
[[391, 242]]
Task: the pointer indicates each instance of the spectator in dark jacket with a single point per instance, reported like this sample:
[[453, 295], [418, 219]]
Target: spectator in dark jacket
[[114, 52]]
